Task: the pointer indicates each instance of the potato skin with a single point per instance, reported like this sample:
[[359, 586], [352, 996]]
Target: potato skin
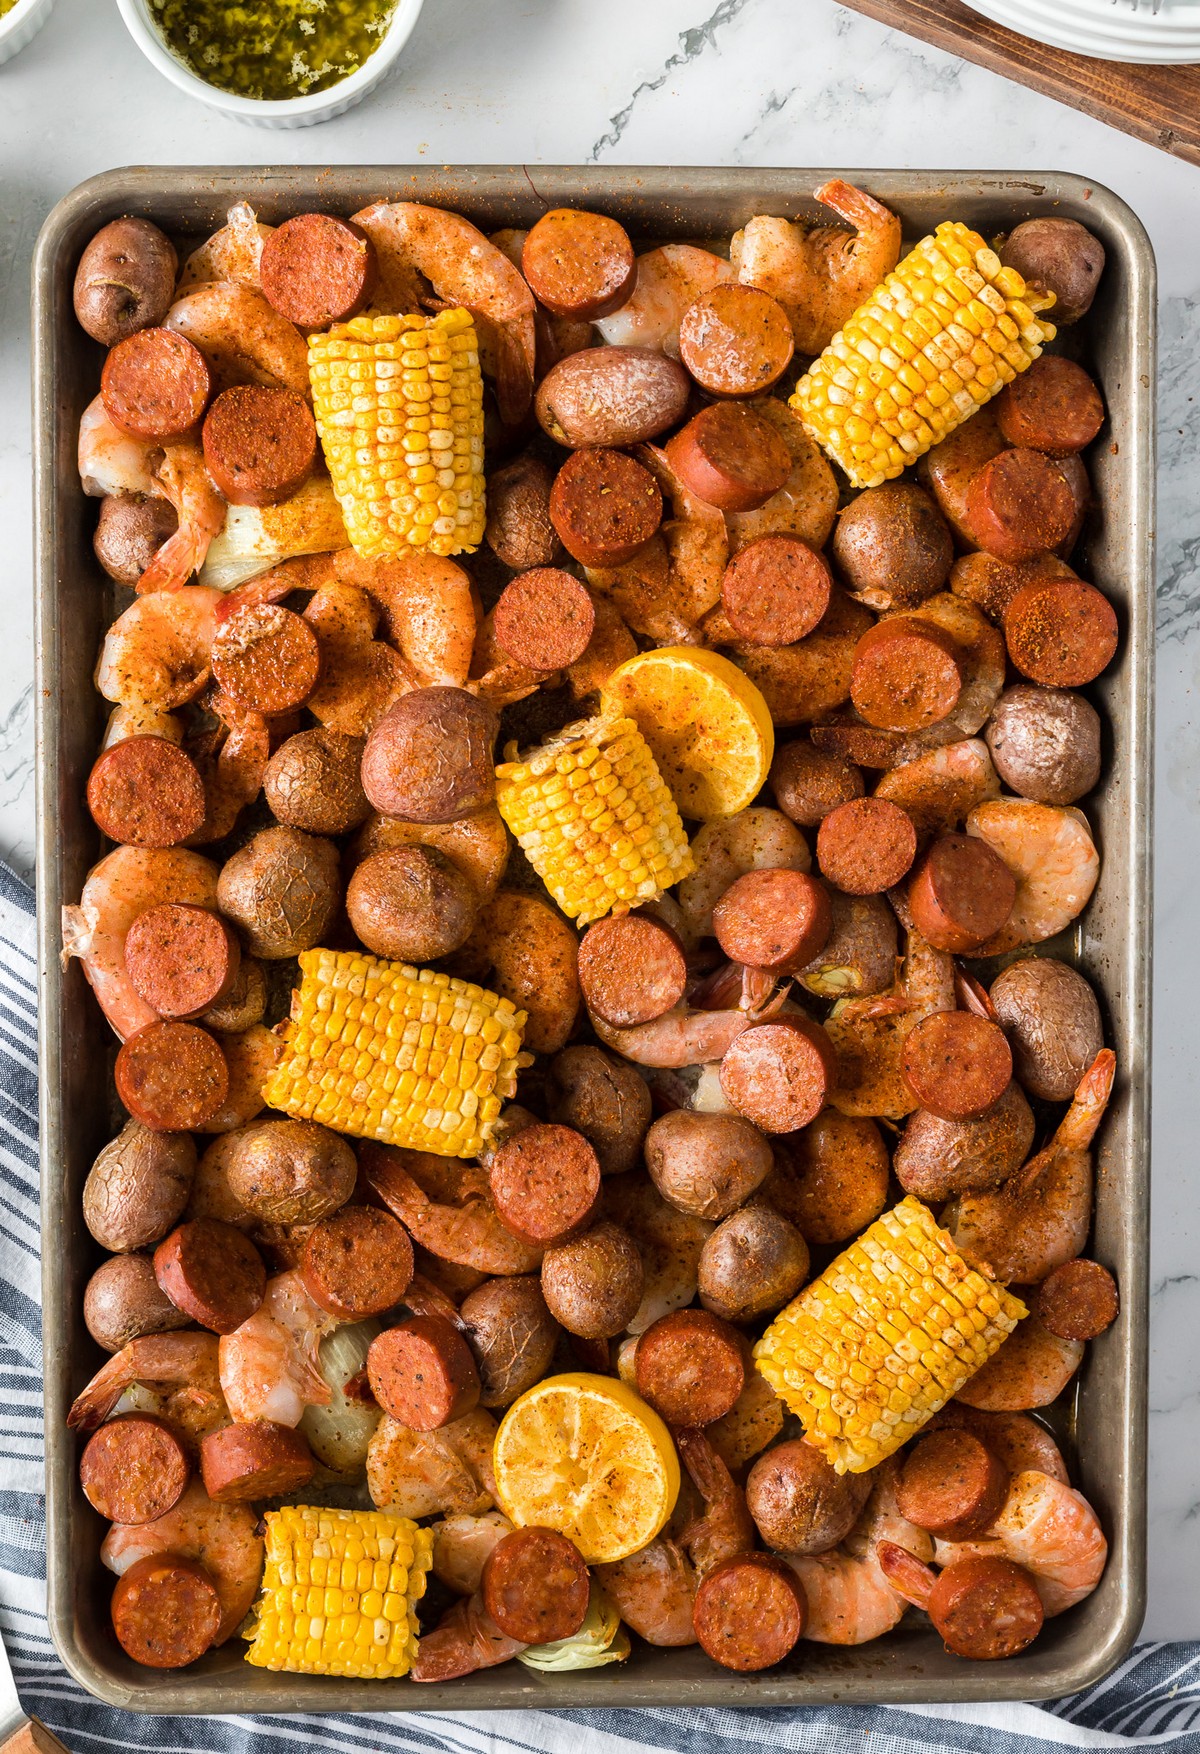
[[593, 1284], [125, 280], [833, 1178], [1045, 743], [1059, 256], [1052, 1020], [893, 547], [512, 1336], [411, 904], [138, 1187], [797, 1501], [291, 1172], [429, 759], [313, 782], [752, 1264], [612, 396], [281, 890], [123, 1301], [859, 956], [519, 531], [130, 530], [937, 1159], [603, 1098], [706, 1165], [244, 1005], [808, 783]]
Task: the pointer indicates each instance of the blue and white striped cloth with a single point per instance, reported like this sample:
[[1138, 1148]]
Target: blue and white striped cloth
[[1153, 1700]]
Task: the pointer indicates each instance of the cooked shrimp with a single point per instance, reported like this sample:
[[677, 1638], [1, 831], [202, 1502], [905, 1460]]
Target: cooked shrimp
[[654, 1591], [447, 1472], [724, 1528], [1052, 1531], [469, 1234], [684, 1036], [669, 1242], [668, 280], [939, 789], [646, 594], [422, 248], [821, 273], [494, 676], [243, 338], [180, 1367], [850, 1600], [428, 612], [754, 1421], [727, 848], [461, 1544], [233, 777], [465, 1640], [1053, 857], [806, 504], [110, 461], [232, 253], [269, 1366], [695, 538], [221, 1537], [125, 883], [361, 676], [158, 653], [140, 721], [868, 1034], [1039, 1217]]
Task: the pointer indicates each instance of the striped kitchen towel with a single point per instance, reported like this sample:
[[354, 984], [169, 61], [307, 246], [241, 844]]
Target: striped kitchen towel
[[1153, 1699]]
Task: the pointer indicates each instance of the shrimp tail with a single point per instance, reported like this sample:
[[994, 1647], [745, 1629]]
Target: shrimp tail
[[514, 379], [77, 933], [173, 564], [909, 1576], [93, 1404], [853, 205], [1079, 1124]]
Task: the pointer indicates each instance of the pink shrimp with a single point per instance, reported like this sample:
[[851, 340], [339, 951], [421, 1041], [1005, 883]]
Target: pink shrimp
[[447, 1472], [868, 1034], [850, 1600], [685, 1036], [181, 1368], [1052, 855], [668, 280], [428, 611], [1052, 1531], [222, 1537], [158, 653], [470, 1234], [654, 1591], [465, 1640], [724, 1528], [461, 1545], [270, 1367]]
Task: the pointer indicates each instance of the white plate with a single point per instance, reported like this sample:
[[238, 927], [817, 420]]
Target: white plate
[[1111, 30]]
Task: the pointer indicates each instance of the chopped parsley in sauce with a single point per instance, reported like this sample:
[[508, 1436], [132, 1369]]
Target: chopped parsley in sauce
[[271, 48]]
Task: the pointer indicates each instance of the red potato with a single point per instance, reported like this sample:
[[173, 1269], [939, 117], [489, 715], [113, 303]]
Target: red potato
[[1059, 256], [831, 1181], [125, 280], [611, 396], [605, 1099], [893, 547], [808, 783]]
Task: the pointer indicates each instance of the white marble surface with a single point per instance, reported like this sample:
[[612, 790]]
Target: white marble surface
[[766, 82]]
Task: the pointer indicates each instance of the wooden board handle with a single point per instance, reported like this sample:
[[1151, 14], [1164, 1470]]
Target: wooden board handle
[[33, 1738]]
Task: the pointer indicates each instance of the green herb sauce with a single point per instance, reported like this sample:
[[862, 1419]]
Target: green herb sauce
[[271, 48]]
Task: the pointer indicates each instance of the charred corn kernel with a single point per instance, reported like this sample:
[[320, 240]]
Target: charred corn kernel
[[389, 395], [903, 1290], [404, 1055], [340, 1593], [595, 818], [941, 336]]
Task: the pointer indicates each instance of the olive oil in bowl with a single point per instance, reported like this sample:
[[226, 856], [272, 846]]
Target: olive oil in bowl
[[271, 49]]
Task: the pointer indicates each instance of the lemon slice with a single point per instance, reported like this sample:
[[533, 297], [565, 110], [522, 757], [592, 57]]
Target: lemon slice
[[706, 723], [584, 1455]]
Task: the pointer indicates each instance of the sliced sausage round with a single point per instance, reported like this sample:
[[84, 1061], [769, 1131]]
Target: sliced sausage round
[[133, 1469], [776, 919], [1053, 407], [146, 792], [1077, 1301], [952, 1485], [260, 444], [736, 340], [779, 1074], [358, 1262], [985, 1608], [957, 1065], [181, 959], [317, 270], [907, 674], [605, 506], [422, 1373], [958, 900], [535, 1585], [730, 457], [1061, 632], [545, 1182], [173, 1077], [267, 657], [749, 1612], [776, 589], [212, 1271], [156, 385], [241, 1463], [579, 265], [866, 846], [691, 1367], [632, 968], [1019, 504], [544, 619], [166, 1611]]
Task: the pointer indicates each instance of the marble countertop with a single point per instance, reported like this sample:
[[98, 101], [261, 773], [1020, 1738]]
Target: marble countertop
[[748, 82]]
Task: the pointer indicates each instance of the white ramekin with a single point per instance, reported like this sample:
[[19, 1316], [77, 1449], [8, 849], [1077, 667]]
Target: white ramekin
[[21, 25], [291, 112]]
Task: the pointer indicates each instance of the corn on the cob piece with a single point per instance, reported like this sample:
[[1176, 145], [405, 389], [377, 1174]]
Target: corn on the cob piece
[[884, 1337], [942, 335], [399, 407], [595, 818], [404, 1055], [340, 1591]]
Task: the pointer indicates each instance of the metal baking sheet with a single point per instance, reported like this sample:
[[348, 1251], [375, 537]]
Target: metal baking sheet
[[1112, 942]]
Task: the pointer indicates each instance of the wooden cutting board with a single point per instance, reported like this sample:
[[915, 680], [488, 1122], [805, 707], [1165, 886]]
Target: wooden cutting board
[[1157, 104]]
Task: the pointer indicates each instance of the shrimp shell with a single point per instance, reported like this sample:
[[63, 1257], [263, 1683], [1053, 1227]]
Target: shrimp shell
[[1052, 855]]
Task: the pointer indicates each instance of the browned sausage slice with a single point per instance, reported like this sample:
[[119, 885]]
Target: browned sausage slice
[[907, 674], [631, 969], [957, 1065], [985, 1608], [146, 792], [172, 1077], [691, 1367], [357, 1262], [535, 1586], [1077, 1301], [730, 457], [776, 589], [134, 1469], [579, 265], [777, 919], [604, 506], [952, 1485], [1019, 504], [266, 657], [949, 468], [779, 1074], [166, 1611], [422, 1373], [317, 270], [1053, 407], [1016, 1438], [1060, 632], [181, 959], [866, 846], [958, 899], [545, 1182], [155, 385], [544, 619], [749, 1612], [212, 1272], [260, 444], [736, 340], [263, 1460]]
